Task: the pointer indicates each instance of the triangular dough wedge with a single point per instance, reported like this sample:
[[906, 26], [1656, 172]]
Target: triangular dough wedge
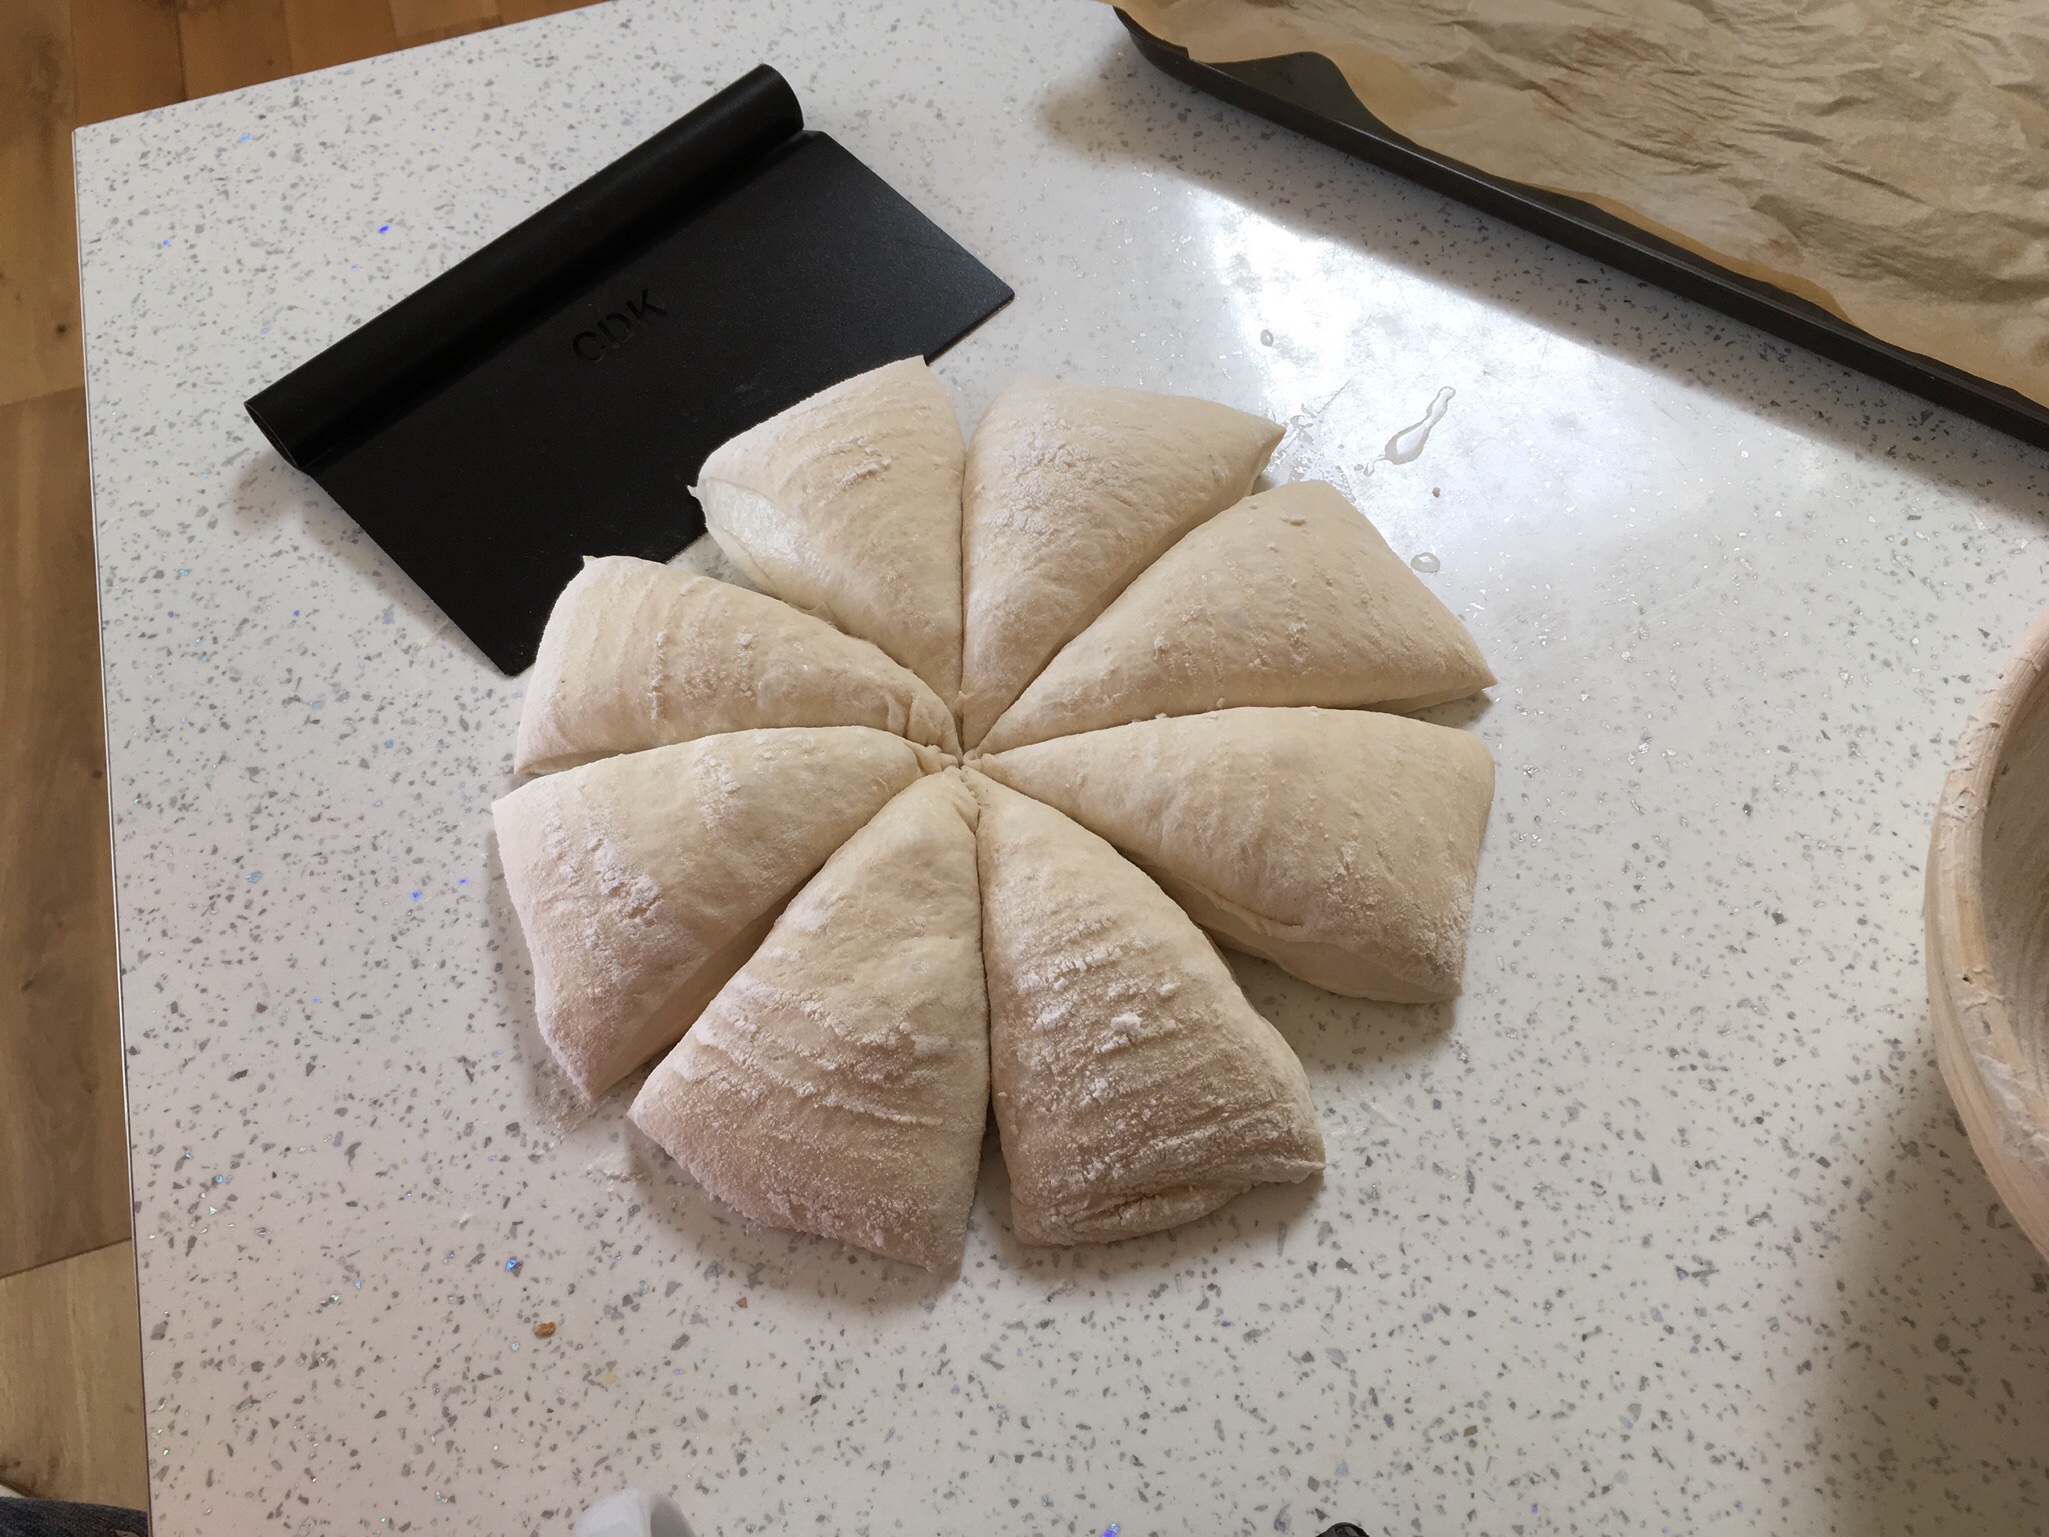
[[848, 506], [1071, 491], [1288, 598], [1340, 844], [839, 1084], [640, 655], [1134, 1086], [642, 882]]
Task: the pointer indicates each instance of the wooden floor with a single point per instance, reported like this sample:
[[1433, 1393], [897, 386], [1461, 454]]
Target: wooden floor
[[70, 1347]]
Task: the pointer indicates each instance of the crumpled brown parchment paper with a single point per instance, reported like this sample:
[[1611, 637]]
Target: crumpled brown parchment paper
[[1886, 159]]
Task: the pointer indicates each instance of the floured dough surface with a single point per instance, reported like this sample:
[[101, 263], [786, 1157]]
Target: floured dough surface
[[1178, 701], [1340, 844], [1071, 491], [839, 1083], [848, 505], [1134, 1086], [638, 654], [642, 882], [1290, 597]]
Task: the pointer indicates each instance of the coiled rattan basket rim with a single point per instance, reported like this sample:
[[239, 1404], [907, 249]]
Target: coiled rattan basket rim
[[1978, 1036]]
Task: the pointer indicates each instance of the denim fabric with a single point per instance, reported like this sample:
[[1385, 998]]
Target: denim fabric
[[61, 1518]]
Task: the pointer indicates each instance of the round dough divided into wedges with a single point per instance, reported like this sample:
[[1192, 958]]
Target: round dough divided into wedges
[[1184, 701]]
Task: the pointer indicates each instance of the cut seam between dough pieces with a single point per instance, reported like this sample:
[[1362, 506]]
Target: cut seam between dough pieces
[[1289, 597], [839, 1083], [637, 654], [1134, 1087], [633, 876], [1341, 844], [1069, 493]]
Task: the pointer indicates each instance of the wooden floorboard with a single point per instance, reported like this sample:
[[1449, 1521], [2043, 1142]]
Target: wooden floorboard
[[39, 349], [324, 33], [232, 43], [63, 1147], [510, 11], [125, 57], [421, 21], [71, 1381]]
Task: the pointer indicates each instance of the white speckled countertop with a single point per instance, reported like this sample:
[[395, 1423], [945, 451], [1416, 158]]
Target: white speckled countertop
[[1666, 1226]]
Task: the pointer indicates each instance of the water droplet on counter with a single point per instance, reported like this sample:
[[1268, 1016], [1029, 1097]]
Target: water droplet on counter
[[1266, 338], [1424, 562], [1408, 444]]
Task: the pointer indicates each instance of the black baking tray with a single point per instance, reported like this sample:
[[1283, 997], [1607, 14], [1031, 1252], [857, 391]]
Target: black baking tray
[[1308, 93], [554, 395]]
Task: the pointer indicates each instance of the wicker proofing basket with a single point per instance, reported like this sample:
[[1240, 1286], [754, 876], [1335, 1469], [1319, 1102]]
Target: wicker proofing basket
[[1987, 911]]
